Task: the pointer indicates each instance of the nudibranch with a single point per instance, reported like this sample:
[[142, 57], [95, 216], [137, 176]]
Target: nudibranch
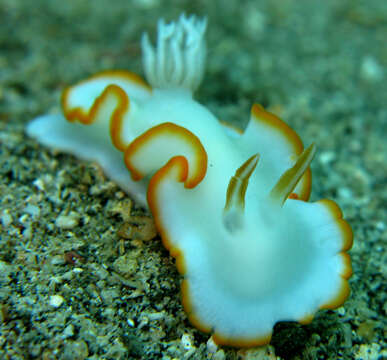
[[231, 206]]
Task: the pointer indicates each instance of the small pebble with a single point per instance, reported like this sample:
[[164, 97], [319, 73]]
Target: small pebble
[[371, 70], [326, 157], [345, 193], [39, 184], [259, 353], [67, 221], [6, 218], [32, 210], [56, 301], [187, 342], [57, 260], [27, 232], [75, 350], [211, 346], [68, 331], [341, 311], [369, 352], [219, 355]]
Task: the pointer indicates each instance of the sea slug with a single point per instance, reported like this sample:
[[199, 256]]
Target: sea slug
[[231, 206]]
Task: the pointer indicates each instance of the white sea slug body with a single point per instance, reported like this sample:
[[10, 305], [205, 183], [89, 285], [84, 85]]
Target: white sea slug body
[[230, 206]]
